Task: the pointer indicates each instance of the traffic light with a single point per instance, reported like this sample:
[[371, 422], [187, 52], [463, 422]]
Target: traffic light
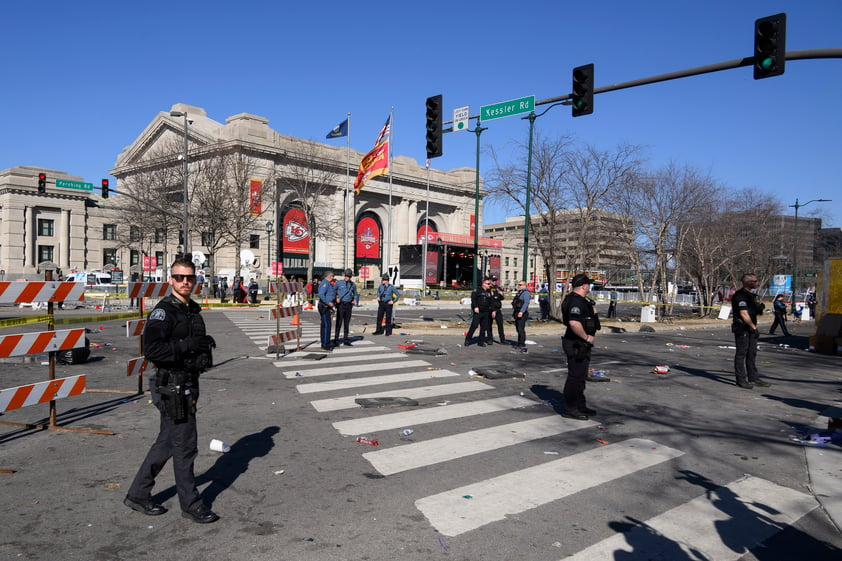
[[434, 144], [583, 90], [42, 182], [104, 188], [769, 46]]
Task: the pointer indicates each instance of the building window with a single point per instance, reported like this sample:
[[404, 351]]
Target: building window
[[159, 235], [134, 257], [159, 258], [109, 231], [515, 263], [507, 274], [207, 239], [109, 256], [45, 253], [254, 241], [507, 261], [134, 234], [45, 227]]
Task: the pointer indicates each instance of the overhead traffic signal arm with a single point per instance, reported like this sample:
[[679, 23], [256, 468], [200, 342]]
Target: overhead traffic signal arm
[[435, 147], [582, 96], [769, 46]]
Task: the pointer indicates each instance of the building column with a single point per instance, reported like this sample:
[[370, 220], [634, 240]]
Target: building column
[[412, 223], [64, 240], [28, 238]]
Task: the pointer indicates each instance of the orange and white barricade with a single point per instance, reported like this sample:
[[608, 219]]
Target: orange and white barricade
[[279, 312], [41, 342], [285, 311], [137, 366], [41, 291], [134, 327], [42, 392]]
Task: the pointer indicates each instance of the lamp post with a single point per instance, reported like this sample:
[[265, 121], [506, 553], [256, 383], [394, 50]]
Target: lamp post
[[796, 206], [269, 227], [186, 218]]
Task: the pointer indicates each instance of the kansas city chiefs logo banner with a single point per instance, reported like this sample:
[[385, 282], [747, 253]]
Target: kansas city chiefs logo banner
[[296, 233]]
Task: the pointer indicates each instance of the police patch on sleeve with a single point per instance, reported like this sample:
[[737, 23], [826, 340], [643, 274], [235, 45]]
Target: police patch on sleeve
[[575, 310], [742, 304], [159, 314]]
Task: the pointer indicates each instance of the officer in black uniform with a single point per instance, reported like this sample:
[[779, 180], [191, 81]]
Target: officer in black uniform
[[520, 313], [497, 308], [746, 308], [579, 315], [346, 295], [175, 341], [482, 302]]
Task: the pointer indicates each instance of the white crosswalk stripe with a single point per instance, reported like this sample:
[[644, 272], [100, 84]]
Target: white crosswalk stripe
[[437, 450], [345, 359], [346, 369], [348, 402], [493, 499], [723, 524], [430, 415], [349, 383]]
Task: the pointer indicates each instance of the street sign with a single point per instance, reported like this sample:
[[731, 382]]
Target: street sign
[[507, 108], [67, 184], [460, 118]]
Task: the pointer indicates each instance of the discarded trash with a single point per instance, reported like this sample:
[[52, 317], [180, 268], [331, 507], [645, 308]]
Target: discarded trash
[[662, 370], [472, 374], [550, 452], [279, 472], [601, 441], [600, 427], [407, 432], [467, 496], [367, 440], [298, 373], [219, 446]]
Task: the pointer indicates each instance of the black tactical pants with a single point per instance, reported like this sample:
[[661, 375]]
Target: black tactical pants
[[520, 325], [578, 361], [745, 367], [483, 321], [498, 318], [179, 442], [343, 319]]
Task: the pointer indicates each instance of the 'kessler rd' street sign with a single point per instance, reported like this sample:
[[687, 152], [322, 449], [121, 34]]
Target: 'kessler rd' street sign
[[507, 108]]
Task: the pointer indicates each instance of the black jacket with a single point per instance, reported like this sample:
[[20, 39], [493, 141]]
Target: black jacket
[[170, 322]]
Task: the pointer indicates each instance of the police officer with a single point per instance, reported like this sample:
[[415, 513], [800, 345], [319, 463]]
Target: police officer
[[744, 326], [612, 303], [579, 315], [482, 302], [497, 309], [175, 341], [346, 295], [327, 304], [779, 307], [544, 302], [520, 313], [387, 295]]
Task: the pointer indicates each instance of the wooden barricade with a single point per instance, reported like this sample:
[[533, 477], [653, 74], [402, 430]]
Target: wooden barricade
[[49, 341], [280, 311]]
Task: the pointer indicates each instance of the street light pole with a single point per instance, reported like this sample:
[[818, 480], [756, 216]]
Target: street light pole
[[796, 206], [269, 228], [186, 217]]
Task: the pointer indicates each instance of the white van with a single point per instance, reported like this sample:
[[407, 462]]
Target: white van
[[92, 279]]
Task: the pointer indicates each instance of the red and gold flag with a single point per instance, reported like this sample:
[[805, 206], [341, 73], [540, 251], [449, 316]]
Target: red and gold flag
[[373, 164]]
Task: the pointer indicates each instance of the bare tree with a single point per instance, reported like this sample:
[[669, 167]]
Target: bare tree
[[569, 189], [308, 182]]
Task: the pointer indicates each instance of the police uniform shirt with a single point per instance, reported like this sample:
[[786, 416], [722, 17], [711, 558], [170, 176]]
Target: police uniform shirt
[[744, 300], [482, 299], [578, 308], [327, 292], [346, 291], [386, 292]]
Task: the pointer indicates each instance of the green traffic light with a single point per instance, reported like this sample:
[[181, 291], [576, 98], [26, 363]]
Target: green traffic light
[[766, 63]]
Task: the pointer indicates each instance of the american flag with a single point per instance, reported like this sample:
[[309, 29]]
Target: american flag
[[385, 131]]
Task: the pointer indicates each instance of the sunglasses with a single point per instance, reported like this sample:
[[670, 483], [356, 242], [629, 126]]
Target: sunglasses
[[182, 278]]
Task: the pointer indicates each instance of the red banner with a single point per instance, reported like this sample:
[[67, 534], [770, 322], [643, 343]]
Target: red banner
[[150, 263], [368, 238], [432, 273], [255, 197], [473, 226], [373, 164], [430, 233], [276, 269], [296, 233]]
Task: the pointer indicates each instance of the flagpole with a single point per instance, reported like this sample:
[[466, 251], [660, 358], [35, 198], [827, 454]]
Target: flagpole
[[389, 158], [348, 201]]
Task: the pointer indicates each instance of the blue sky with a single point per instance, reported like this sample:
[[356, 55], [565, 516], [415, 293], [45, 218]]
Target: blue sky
[[82, 79]]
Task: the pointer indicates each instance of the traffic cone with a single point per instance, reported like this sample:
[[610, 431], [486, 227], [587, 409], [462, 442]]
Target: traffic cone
[[295, 320]]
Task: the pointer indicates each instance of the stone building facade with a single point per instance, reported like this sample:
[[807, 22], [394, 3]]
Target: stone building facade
[[78, 230]]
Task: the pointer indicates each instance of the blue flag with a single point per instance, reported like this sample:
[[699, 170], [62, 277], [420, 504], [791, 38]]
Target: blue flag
[[339, 130]]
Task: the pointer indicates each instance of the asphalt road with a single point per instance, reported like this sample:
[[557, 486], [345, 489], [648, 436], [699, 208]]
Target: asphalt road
[[682, 466]]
